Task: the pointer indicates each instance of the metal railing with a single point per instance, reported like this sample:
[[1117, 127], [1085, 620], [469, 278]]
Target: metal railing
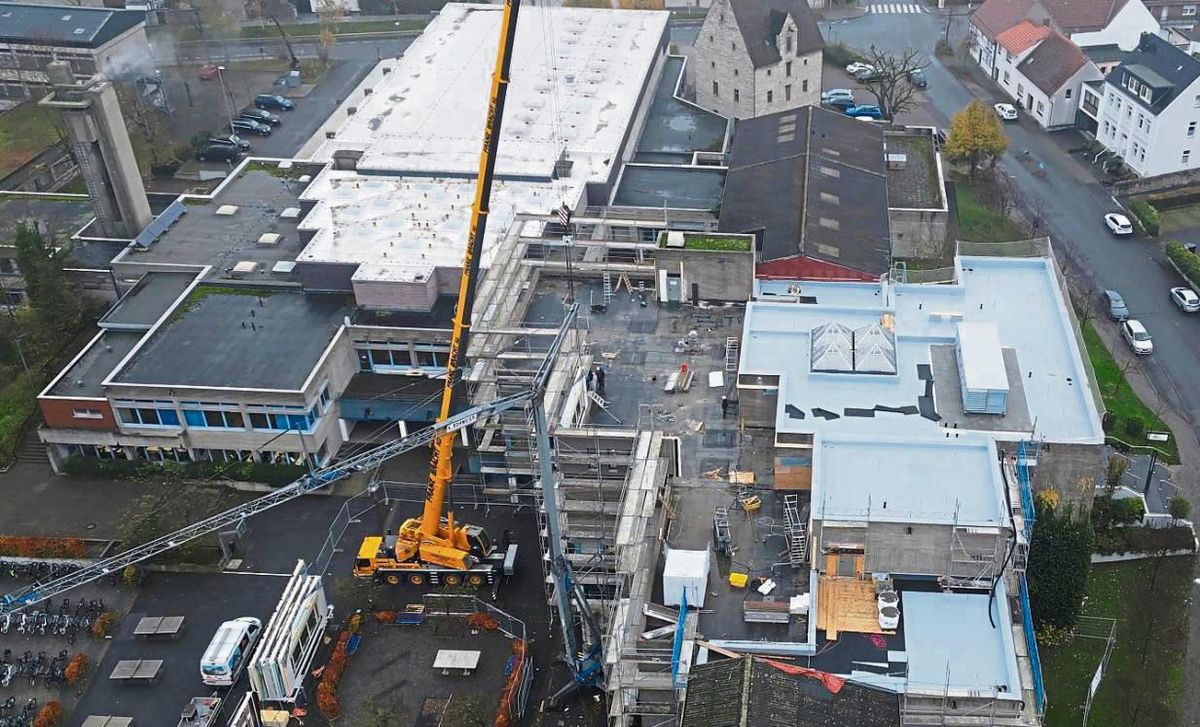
[[1026, 490], [1035, 247], [1035, 660]]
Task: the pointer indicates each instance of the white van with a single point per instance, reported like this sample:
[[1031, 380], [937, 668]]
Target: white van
[[229, 651]]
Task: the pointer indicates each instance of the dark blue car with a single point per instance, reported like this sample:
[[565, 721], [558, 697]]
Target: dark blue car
[[870, 111], [268, 101]]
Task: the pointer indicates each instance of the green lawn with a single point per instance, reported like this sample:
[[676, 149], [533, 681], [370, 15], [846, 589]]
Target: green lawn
[[1144, 681], [312, 30], [25, 132], [1179, 218], [1120, 400], [979, 222]]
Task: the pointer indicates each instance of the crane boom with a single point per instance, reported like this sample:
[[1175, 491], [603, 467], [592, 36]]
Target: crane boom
[[440, 471], [13, 602]]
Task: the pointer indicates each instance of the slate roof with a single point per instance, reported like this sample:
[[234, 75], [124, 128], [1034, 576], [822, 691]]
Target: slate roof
[[1083, 16], [810, 182], [761, 20], [63, 25], [750, 693], [1022, 36], [996, 16], [1159, 64], [1052, 63]]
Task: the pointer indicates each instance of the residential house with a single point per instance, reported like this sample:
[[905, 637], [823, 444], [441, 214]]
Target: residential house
[[1150, 109], [1173, 13], [93, 40], [755, 57], [1089, 23], [1043, 72]]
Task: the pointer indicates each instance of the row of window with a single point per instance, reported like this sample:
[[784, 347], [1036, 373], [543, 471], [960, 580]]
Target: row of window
[[737, 93], [373, 356], [183, 454], [215, 415], [1138, 151]]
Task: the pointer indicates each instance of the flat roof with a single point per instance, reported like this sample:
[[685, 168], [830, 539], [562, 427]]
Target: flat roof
[[575, 88], [906, 480], [964, 640], [919, 184], [233, 337], [84, 376], [260, 191], [575, 84], [675, 127], [677, 187], [1021, 296], [57, 216], [144, 303]]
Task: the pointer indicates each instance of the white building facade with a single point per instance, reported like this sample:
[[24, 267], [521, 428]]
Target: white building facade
[[1150, 109]]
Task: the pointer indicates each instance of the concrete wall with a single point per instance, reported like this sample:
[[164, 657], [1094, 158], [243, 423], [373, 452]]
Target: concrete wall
[[756, 407], [61, 413], [911, 548], [918, 233], [720, 276], [396, 295]]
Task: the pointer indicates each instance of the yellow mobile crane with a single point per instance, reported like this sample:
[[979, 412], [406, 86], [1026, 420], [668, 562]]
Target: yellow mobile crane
[[434, 547]]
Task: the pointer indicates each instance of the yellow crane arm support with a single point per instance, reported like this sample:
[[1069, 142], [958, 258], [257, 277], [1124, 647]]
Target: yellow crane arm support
[[440, 469]]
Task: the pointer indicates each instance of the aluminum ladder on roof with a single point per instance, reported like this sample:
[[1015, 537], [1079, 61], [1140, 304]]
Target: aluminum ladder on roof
[[794, 530], [721, 532], [731, 354], [608, 287]]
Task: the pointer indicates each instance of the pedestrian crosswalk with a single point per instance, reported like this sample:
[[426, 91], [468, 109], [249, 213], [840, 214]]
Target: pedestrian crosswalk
[[896, 8]]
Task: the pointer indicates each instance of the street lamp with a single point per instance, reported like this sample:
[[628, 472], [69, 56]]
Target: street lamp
[[225, 94]]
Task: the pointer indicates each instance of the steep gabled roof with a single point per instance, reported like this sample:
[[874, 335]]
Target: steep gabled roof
[[1054, 62], [1022, 36], [1083, 16], [1159, 64], [749, 692], [761, 20], [996, 16], [810, 183]]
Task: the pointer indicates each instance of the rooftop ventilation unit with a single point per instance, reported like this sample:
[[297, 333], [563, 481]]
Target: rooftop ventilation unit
[[291, 213], [227, 210], [269, 239], [243, 268], [896, 161], [284, 267], [675, 239], [981, 369]]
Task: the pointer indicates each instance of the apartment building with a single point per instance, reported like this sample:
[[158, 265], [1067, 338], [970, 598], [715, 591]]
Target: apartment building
[[1044, 72]]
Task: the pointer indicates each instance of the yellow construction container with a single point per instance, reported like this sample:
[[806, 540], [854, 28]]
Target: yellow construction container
[[738, 580]]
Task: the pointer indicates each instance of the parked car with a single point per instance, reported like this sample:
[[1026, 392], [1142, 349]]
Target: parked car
[[261, 115], [917, 78], [232, 140], [857, 67], [1117, 310], [209, 71], [1006, 111], [1186, 299], [868, 75], [836, 93], [1118, 224], [1137, 337], [273, 101], [841, 103], [250, 127], [870, 111], [219, 153]]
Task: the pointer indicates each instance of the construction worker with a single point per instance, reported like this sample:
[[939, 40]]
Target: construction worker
[[600, 380]]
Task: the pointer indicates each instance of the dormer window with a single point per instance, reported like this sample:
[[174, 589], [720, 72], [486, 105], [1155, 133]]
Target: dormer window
[[1146, 94]]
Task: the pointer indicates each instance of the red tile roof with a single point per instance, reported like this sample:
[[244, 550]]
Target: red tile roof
[[996, 16], [1022, 36]]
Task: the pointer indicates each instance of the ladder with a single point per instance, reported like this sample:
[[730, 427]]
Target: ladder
[[608, 287], [603, 404], [721, 532], [794, 531], [731, 354]]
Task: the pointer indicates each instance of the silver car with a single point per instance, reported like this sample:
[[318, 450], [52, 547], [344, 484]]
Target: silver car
[[1117, 310], [1186, 299]]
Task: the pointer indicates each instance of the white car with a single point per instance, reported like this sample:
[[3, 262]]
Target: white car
[[836, 93], [1118, 224], [1137, 337], [1006, 111], [856, 68], [1186, 299]]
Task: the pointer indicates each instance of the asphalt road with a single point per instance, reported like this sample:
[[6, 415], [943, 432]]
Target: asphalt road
[[1074, 204]]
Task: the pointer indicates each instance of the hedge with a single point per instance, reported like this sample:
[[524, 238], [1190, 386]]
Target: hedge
[[1187, 262], [1146, 216], [275, 475], [842, 55], [1144, 540], [38, 547]]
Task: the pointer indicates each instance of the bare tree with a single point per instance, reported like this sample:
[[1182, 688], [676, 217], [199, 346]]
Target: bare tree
[[890, 82]]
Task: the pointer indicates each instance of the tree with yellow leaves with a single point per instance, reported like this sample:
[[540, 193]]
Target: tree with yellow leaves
[[976, 137]]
